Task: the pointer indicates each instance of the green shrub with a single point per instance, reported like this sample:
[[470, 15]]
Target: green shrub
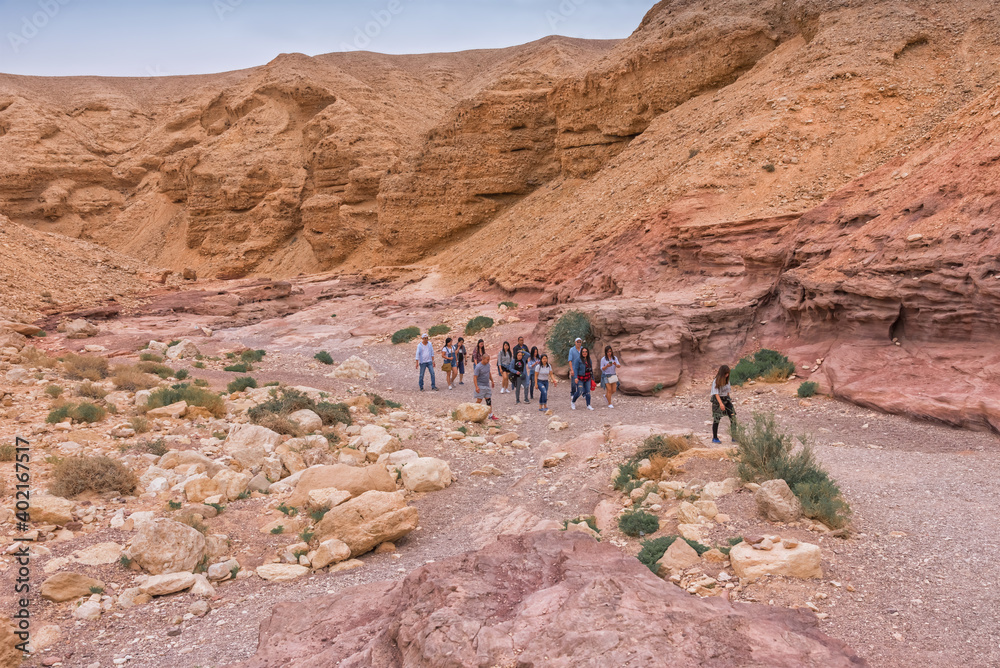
[[808, 389], [324, 357], [194, 396], [53, 391], [199, 365], [318, 514], [252, 355], [278, 530], [333, 413], [769, 167], [305, 536], [85, 367], [765, 363], [181, 374], [81, 412], [627, 472], [653, 550], [291, 512], [638, 523], [75, 475], [150, 357], [478, 324], [161, 370], [381, 402], [438, 330], [405, 335], [589, 520], [156, 447], [767, 453], [139, 424], [572, 325], [241, 383], [664, 445], [200, 382], [242, 367], [275, 410], [509, 304]]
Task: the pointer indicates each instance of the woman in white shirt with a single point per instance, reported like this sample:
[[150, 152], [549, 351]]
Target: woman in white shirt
[[609, 373], [722, 405]]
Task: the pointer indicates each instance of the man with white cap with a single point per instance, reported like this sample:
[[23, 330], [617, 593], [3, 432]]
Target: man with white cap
[[425, 360], [574, 356]]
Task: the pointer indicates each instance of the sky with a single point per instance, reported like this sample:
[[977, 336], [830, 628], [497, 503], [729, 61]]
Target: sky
[[171, 37]]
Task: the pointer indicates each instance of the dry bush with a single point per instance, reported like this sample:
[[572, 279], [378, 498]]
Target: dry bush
[[279, 423], [75, 475], [661, 465], [34, 357], [85, 367], [665, 445], [133, 379], [91, 391], [775, 375]]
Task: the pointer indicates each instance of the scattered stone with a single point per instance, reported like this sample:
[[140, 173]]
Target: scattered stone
[[281, 572], [326, 498], [222, 570], [199, 608], [717, 490], [330, 551], [802, 561], [79, 329], [426, 474], [167, 583], [174, 411], [776, 501], [351, 479], [307, 420], [472, 412], [68, 585], [687, 513], [364, 522], [165, 546], [47, 509], [354, 368], [554, 459], [89, 610], [185, 348], [249, 444]]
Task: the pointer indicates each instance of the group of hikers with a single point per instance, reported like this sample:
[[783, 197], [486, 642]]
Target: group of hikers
[[526, 371], [522, 371]]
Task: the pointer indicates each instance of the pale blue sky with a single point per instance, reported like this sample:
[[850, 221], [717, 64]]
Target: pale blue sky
[[146, 37]]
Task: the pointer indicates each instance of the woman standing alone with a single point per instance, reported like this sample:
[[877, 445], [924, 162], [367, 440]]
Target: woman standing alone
[[609, 373], [721, 403]]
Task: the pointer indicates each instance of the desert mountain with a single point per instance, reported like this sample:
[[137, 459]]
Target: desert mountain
[[815, 176]]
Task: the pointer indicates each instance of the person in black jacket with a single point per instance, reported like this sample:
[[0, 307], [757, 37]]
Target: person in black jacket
[[518, 374]]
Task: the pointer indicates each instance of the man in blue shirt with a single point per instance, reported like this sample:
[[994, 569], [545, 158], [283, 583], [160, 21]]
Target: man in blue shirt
[[574, 357], [425, 360]]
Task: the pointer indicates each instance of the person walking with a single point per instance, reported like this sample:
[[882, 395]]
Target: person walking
[[721, 403], [460, 358], [609, 373], [478, 353], [425, 360], [518, 373], [574, 355], [543, 372], [584, 372], [482, 380], [521, 346], [448, 362], [504, 360], [533, 361]]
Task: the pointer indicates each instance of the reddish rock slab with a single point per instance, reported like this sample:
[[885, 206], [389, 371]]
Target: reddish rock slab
[[544, 599]]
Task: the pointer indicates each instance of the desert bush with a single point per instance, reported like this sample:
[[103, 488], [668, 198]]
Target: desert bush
[[139, 424], [438, 330], [290, 400], [625, 475], [132, 378], [199, 365], [53, 391], [653, 550], [509, 304], [194, 396], [405, 335], [91, 391], [241, 383], [765, 452], [807, 389], [769, 167], [589, 520], [572, 325], [200, 382], [181, 374], [324, 357], [478, 324], [665, 445], [75, 475], [333, 413], [161, 370], [770, 365], [33, 357], [278, 423], [7, 452], [242, 367], [252, 355], [85, 367], [638, 523], [381, 403], [81, 412], [150, 357]]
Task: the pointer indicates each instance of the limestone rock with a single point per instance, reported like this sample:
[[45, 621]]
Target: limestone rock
[[378, 441], [678, 556], [470, 412], [426, 474], [687, 513], [307, 420], [165, 546], [80, 329], [351, 479], [717, 490], [89, 610], [167, 583], [186, 348], [326, 498], [231, 484], [175, 411], [248, 444], [47, 509], [371, 518], [354, 368], [802, 561], [776, 501], [222, 570], [281, 572], [198, 489], [67, 585], [330, 551]]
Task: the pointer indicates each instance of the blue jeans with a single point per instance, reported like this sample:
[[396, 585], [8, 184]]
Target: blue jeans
[[543, 392], [425, 366], [582, 390]]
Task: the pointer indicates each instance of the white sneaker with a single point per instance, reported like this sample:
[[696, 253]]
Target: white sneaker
[[572, 405], [610, 406], [450, 387], [590, 408]]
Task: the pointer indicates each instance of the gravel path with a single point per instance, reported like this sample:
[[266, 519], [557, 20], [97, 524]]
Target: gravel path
[[921, 567]]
